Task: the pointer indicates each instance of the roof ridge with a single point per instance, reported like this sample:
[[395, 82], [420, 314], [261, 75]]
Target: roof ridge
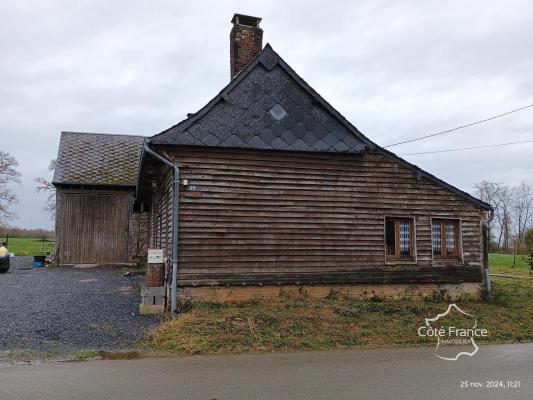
[[104, 134]]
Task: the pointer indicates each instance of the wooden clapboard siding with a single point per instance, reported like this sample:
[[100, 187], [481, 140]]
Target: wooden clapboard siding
[[280, 217], [161, 216], [92, 226]]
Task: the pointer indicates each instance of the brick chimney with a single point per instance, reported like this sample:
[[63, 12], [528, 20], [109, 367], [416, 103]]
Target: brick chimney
[[246, 42]]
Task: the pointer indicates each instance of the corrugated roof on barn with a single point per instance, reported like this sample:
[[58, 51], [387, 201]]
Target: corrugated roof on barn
[[98, 159]]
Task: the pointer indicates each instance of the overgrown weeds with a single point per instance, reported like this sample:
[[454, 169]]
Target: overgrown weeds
[[333, 323]]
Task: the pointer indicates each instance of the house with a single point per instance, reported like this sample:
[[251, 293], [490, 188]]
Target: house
[[97, 221], [267, 191]]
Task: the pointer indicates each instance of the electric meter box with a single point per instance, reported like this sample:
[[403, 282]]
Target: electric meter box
[[155, 256]]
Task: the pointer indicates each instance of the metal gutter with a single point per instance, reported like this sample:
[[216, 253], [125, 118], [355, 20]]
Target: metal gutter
[[175, 219], [486, 242]]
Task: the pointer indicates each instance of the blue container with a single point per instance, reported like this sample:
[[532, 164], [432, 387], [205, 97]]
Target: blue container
[[38, 261]]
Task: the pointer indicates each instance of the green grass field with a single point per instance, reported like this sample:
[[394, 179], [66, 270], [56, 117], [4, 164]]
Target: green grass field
[[499, 261], [28, 246]]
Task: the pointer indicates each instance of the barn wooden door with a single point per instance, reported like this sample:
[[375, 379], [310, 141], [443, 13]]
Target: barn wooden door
[[93, 228]]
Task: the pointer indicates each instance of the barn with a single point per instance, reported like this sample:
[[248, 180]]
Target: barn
[[268, 191], [97, 221]]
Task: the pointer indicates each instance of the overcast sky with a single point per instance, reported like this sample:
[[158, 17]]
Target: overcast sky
[[396, 70]]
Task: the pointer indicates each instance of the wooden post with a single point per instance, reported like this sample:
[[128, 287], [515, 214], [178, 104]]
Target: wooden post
[[155, 275]]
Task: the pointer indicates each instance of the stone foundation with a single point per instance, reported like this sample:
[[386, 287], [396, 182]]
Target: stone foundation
[[222, 294], [152, 300]]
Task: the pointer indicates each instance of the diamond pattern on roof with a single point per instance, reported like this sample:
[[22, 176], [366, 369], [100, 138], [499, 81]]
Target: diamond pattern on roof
[[278, 112], [268, 108], [98, 159]]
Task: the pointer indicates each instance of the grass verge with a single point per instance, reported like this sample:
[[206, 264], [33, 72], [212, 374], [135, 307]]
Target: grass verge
[[85, 354], [257, 326]]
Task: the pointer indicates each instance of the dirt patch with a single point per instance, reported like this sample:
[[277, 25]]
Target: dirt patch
[[119, 355]]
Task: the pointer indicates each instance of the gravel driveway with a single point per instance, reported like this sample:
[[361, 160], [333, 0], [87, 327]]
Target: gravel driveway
[[67, 309]]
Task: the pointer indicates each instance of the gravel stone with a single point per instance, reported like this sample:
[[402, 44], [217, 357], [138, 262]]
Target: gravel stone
[[67, 309]]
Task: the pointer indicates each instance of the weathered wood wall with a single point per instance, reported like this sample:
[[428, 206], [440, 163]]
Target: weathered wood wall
[[139, 225], [258, 217], [161, 215], [92, 226]]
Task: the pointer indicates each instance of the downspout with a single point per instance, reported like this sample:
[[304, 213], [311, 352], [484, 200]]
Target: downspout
[[486, 242], [175, 219]]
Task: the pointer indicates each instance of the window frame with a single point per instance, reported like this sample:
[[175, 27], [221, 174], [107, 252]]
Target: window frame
[[458, 253], [398, 258]]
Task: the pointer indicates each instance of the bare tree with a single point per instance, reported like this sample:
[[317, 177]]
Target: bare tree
[[486, 191], [8, 174], [521, 211], [498, 195], [513, 212], [44, 185], [503, 200]]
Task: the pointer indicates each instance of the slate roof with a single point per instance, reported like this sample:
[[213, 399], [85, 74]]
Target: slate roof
[[267, 106], [98, 159]]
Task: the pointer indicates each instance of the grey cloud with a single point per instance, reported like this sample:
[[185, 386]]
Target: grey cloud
[[395, 69]]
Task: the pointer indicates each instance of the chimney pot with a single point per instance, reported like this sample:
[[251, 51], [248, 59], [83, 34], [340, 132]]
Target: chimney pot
[[246, 42]]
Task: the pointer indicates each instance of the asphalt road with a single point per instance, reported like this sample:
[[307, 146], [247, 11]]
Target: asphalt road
[[369, 374]]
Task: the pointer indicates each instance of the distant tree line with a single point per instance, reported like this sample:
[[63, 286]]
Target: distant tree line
[[26, 233], [513, 214]]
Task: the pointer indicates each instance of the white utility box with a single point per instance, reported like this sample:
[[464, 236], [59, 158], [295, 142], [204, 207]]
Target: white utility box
[[155, 256]]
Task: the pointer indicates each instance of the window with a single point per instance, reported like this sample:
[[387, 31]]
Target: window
[[445, 238], [399, 238]]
